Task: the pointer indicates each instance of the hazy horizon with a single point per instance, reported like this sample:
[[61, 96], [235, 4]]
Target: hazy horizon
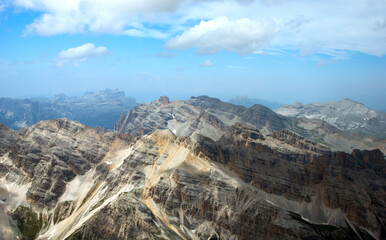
[[152, 97], [280, 51]]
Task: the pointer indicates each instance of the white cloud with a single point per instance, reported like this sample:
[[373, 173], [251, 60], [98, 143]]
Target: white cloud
[[242, 36], [80, 54], [307, 26], [100, 16], [206, 63]]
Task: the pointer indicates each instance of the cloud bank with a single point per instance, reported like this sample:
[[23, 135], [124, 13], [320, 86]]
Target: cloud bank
[[242, 36], [80, 54], [244, 26]]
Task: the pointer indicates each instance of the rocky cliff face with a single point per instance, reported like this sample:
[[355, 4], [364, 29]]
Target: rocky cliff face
[[211, 117], [346, 115], [94, 109], [62, 180]]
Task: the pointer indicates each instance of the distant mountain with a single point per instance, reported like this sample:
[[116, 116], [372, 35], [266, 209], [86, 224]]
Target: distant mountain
[[211, 118], [249, 102], [346, 115], [93, 109]]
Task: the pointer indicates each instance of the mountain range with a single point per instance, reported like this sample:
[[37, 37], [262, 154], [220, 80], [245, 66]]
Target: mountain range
[[211, 117], [94, 109], [194, 169], [347, 115], [249, 102]]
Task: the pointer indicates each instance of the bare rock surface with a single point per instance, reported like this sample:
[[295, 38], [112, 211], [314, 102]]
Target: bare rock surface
[[211, 117], [346, 115], [62, 180]]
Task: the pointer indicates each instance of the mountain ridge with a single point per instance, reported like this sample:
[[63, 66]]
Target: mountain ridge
[[347, 115], [211, 117], [249, 102], [94, 109]]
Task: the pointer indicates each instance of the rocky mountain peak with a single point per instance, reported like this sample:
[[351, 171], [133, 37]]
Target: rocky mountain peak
[[347, 115], [297, 105], [205, 101], [164, 100], [112, 93]]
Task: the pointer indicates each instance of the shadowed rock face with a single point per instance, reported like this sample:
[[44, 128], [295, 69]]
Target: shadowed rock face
[[306, 177], [73, 182]]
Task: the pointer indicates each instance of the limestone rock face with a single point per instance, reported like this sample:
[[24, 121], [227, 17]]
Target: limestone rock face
[[211, 117], [311, 176], [346, 115], [60, 179]]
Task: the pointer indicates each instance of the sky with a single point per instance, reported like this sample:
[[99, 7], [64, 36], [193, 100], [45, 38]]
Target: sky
[[284, 51]]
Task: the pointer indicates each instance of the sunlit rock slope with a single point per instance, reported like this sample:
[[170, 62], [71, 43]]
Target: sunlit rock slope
[[346, 115]]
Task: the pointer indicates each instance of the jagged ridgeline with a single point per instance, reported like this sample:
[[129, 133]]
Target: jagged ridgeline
[[346, 115], [93, 109], [195, 169]]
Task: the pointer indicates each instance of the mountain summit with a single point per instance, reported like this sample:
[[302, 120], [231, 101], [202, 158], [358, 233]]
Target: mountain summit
[[211, 117], [347, 115]]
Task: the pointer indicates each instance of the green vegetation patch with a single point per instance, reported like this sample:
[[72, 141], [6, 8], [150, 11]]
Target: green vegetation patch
[[28, 222]]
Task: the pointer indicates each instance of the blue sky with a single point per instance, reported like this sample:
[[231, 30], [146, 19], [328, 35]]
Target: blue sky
[[283, 51]]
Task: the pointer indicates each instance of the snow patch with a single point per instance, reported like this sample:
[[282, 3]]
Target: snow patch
[[9, 115], [21, 124]]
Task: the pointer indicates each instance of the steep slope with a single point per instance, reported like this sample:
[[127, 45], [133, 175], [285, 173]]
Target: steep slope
[[94, 109], [211, 117], [62, 180], [346, 115]]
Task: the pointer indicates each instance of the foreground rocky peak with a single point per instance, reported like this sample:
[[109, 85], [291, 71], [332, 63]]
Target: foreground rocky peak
[[346, 114], [62, 180], [73, 182]]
